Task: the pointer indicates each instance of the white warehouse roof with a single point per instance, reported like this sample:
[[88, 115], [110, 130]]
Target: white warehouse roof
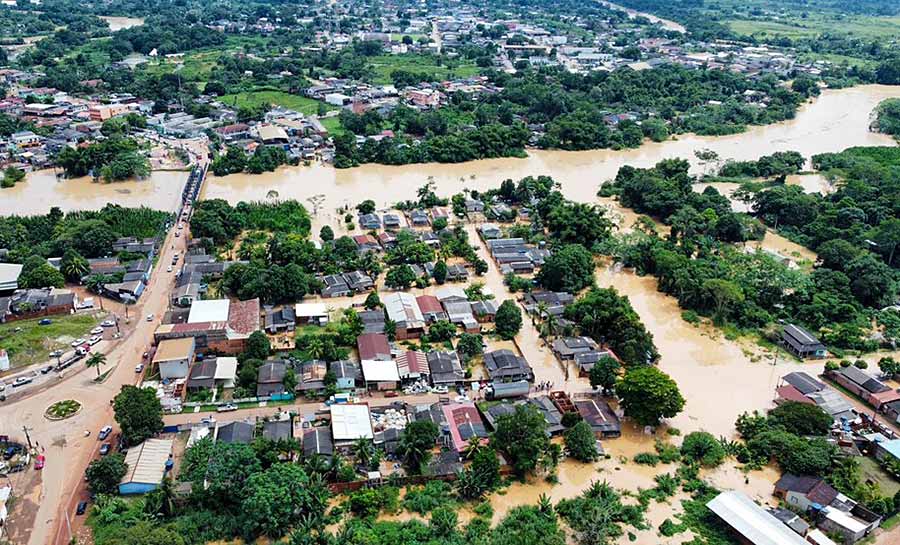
[[212, 310], [147, 461], [350, 422], [753, 522]]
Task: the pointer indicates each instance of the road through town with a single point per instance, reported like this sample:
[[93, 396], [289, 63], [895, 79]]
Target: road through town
[[67, 449]]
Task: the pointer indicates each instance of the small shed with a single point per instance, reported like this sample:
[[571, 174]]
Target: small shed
[[147, 465]]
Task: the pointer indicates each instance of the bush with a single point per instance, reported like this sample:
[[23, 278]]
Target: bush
[[832, 366], [704, 448], [646, 459], [861, 364]]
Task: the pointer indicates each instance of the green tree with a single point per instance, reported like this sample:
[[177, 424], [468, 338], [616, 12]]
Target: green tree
[[508, 320], [105, 474], [366, 207], [439, 273], [416, 443], [279, 498], [37, 273], [160, 503], [724, 294], [326, 233], [569, 269], [470, 345], [521, 437], [372, 301], [400, 277], [801, 418], [96, 360], [258, 347], [138, 413], [581, 442], [889, 366], [704, 448], [441, 331], [648, 395], [73, 266], [605, 373]]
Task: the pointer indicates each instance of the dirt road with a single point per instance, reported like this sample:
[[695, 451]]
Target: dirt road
[[68, 451]]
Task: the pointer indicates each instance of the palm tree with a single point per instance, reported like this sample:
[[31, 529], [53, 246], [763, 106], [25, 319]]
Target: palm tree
[[473, 446], [315, 348], [364, 452], [161, 502], [544, 504], [316, 465], [96, 360]]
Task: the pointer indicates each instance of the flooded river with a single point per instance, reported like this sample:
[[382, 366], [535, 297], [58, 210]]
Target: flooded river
[[42, 190], [835, 121]]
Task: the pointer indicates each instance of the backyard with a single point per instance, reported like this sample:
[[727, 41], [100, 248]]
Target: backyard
[[383, 65], [252, 99]]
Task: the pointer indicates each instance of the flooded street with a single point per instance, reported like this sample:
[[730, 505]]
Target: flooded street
[[837, 120], [42, 190]]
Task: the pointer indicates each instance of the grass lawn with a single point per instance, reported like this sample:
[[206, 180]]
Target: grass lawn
[[299, 103], [383, 65], [333, 125], [871, 471], [34, 342], [867, 27]]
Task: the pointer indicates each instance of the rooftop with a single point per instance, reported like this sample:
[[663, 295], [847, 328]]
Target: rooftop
[[174, 349], [754, 523], [147, 462], [212, 310], [350, 422]]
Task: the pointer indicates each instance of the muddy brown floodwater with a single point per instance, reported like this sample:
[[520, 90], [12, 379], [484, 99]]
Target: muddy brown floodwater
[[42, 189], [838, 119]]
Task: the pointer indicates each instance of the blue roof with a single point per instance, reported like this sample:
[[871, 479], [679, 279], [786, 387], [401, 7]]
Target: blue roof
[[892, 447]]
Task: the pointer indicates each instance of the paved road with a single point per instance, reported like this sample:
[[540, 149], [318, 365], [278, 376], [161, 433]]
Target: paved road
[[68, 451]]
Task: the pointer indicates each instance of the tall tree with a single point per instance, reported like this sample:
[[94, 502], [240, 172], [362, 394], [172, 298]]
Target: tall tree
[[648, 395], [138, 413]]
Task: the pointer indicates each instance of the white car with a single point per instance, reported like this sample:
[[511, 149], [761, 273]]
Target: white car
[[169, 268], [138, 368], [107, 323], [22, 381], [95, 339], [228, 407], [149, 317], [97, 331], [77, 342]]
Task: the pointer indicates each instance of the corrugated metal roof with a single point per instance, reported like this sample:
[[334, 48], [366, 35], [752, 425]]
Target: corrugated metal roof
[[350, 422], [147, 461], [752, 521]]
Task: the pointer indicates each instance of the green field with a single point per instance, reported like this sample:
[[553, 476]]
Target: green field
[[333, 124], [871, 471], [861, 26], [32, 342], [251, 99], [383, 65]]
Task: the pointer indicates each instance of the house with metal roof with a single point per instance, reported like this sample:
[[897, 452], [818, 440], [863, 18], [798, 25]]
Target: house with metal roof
[[373, 320], [870, 389], [349, 423], [278, 429], [600, 416], [801, 342], [347, 373], [803, 382], [147, 465], [373, 346], [403, 310], [566, 348], [801, 491], [464, 424], [270, 378], [311, 375], [318, 441], [280, 320], [504, 366], [445, 368], [173, 357], [431, 308], [235, 432], [751, 522], [413, 365]]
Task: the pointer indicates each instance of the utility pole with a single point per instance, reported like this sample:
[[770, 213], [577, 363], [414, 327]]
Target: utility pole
[[26, 429]]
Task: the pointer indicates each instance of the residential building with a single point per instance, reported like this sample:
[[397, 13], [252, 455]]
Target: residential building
[[505, 366], [174, 357], [348, 374], [464, 424], [311, 313], [147, 464], [413, 365], [235, 432], [270, 378], [431, 309], [403, 310], [802, 343], [380, 374], [597, 412], [445, 368], [349, 423], [752, 523], [870, 389], [280, 320]]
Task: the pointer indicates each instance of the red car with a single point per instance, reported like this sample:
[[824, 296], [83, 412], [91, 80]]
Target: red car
[[39, 461]]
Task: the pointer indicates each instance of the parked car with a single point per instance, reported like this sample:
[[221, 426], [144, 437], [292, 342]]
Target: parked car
[[21, 381], [45, 321], [47, 369], [55, 353], [82, 507], [149, 317], [104, 449], [97, 331], [94, 340], [39, 461], [104, 433], [169, 268], [77, 342], [228, 407], [107, 323], [138, 368]]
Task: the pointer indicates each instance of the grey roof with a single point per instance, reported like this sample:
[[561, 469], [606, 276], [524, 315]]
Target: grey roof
[[863, 379], [318, 441], [445, 367], [803, 382], [345, 369], [504, 364], [235, 432], [754, 523], [278, 429], [801, 339]]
